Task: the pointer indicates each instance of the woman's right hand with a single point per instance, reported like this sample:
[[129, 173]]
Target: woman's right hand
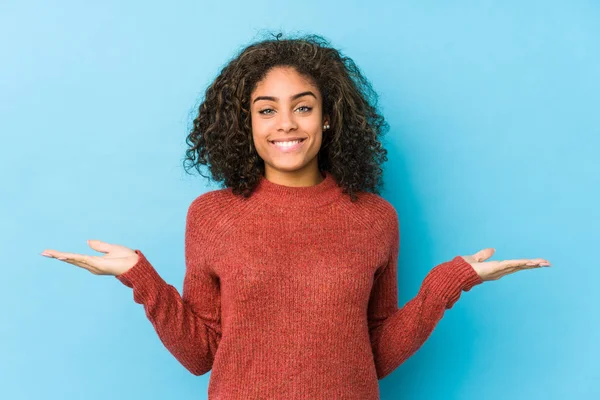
[[116, 260]]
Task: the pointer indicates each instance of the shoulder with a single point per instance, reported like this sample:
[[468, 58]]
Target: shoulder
[[215, 204], [375, 205], [374, 213], [212, 199], [216, 209], [387, 216]]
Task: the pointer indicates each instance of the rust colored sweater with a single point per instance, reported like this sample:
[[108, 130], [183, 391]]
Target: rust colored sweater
[[292, 294]]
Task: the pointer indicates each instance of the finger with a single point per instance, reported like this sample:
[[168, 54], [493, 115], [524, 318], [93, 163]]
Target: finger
[[531, 262], [543, 263], [99, 246], [484, 254], [537, 261], [51, 253], [82, 265], [70, 256]]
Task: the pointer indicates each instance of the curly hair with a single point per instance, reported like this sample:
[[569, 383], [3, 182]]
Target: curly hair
[[351, 151]]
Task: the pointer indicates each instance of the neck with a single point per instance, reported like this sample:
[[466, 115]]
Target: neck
[[298, 178], [276, 195]]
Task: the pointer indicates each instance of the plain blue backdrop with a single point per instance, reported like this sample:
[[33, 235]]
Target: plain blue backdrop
[[494, 114]]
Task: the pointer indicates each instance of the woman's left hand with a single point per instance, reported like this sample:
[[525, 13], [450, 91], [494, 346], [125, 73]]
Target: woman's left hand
[[493, 270]]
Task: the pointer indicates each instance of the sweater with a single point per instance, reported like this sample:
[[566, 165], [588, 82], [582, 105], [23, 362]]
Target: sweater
[[292, 294]]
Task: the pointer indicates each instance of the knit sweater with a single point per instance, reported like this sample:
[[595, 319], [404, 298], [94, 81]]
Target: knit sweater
[[292, 294]]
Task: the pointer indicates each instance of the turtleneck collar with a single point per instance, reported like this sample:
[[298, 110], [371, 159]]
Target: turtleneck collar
[[283, 196]]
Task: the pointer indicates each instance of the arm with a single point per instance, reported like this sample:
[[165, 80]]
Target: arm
[[189, 326], [395, 333]]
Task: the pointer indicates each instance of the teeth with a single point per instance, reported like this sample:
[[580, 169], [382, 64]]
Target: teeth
[[288, 143]]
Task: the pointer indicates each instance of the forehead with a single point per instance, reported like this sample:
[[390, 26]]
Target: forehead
[[284, 82]]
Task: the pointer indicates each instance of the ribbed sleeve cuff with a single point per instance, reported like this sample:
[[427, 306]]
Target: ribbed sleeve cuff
[[142, 277], [448, 279]]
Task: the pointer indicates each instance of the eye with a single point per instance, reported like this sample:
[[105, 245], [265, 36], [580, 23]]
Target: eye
[[264, 111], [305, 107]]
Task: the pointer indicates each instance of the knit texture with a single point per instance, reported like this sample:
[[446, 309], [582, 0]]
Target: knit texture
[[292, 294]]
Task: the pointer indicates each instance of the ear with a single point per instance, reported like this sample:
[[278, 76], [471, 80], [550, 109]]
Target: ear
[[325, 119]]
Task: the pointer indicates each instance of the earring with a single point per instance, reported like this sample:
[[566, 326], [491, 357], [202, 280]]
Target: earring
[[326, 126]]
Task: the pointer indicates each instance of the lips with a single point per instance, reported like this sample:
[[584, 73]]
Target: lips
[[287, 148], [288, 139]]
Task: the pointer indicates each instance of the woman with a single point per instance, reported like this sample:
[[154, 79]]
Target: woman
[[290, 288]]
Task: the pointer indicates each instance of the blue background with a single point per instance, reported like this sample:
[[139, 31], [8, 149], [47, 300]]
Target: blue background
[[493, 108]]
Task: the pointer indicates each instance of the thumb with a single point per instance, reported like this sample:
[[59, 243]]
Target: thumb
[[100, 246], [484, 254]]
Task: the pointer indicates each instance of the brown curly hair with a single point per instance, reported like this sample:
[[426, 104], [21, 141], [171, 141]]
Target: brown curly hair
[[221, 137]]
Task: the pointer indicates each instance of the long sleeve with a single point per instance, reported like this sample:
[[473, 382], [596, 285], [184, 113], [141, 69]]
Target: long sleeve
[[190, 325], [397, 333]]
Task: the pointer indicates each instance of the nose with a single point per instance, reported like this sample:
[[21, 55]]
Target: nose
[[286, 121]]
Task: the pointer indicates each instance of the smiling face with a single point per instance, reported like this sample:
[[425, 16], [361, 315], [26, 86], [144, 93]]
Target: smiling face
[[286, 106]]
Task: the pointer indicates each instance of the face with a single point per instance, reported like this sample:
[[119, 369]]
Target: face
[[287, 123]]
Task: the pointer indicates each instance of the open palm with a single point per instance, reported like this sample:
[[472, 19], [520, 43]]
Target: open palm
[[493, 270], [116, 259]]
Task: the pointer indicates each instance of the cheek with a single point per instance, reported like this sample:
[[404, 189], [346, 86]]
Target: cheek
[[316, 123], [259, 138], [318, 140], [314, 128], [259, 130]]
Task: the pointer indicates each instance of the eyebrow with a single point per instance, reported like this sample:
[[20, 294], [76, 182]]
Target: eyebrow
[[294, 97]]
